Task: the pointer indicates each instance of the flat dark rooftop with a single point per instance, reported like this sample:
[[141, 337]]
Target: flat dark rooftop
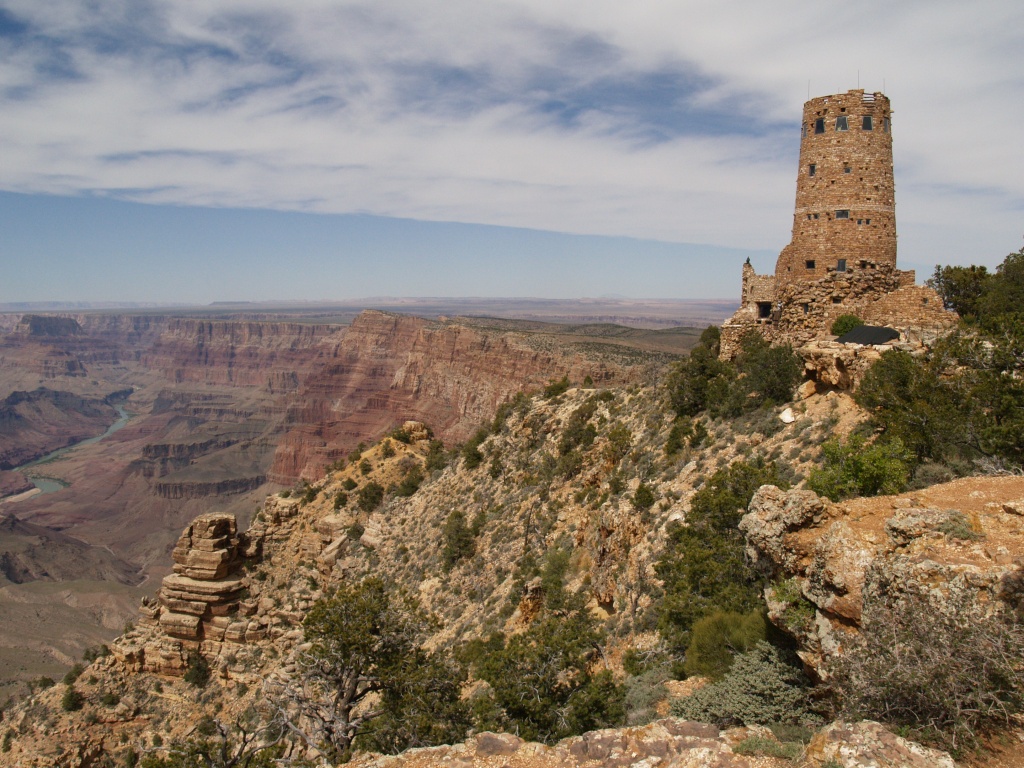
[[869, 334]]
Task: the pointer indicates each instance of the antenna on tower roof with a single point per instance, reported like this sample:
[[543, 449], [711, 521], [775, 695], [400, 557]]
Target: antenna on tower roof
[[808, 90], [858, 78]]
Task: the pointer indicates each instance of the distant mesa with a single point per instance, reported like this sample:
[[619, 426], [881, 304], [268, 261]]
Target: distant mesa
[[49, 326]]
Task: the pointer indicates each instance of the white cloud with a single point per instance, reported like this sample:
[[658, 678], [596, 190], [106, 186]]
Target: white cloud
[[537, 113]]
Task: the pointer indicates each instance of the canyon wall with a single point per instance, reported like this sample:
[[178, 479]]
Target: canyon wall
[[392, 368]]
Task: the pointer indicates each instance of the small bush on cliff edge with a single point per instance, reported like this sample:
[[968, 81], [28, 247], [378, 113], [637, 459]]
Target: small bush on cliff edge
[[761, 688], [949, 676], [856, 469]]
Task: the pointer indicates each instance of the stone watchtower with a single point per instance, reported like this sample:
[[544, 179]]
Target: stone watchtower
[[845, 213], [842, 255]]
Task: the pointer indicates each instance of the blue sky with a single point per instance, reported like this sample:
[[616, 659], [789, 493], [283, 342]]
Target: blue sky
[[166, 150]]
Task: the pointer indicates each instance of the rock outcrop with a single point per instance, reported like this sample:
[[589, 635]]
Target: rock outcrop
[[199, 604], [963, 538], [672, 743]]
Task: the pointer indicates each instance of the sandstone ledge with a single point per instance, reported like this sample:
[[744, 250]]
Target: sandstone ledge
[[668, 743]]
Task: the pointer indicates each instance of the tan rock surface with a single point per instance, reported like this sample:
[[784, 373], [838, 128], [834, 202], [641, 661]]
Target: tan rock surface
[[835, 552]]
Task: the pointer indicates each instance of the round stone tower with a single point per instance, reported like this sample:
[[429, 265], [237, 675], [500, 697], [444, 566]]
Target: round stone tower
[[845, 214]]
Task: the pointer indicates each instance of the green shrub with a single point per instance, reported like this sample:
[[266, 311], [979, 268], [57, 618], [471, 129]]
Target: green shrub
[[716, 639], [541, 682], [471, 455], [5, 745], [697, 381], [95, 652], [340, 500], [703, 568], [677, 436], [349, 484], [644, 691], [370, 496], [364, 467], [458, 540], [72, 700], [197, 670], [387, 450], [770, 374], [310, 494], [643, 497], [410, 482], [958, 526], [41, 683], [761, 688], [436, 458], [556, 388], [798, 615], [401, 435], [844, 324], [949, 676], [73, 674], [109, 699], [620, 439], [855, 469]]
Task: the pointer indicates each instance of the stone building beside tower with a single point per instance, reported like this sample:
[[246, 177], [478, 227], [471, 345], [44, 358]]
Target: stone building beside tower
[[841, 259]]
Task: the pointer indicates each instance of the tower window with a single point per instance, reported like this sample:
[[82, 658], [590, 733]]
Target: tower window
[[807, 308], [842, 123], [841, 265], [764, 309], [812, 169], [819, 125], [837, 299], [867, 124], [810, 263], [886, 124], [847, 169], [803, 130], [842, 214]]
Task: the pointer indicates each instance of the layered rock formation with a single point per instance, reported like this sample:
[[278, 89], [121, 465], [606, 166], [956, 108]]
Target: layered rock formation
[[389, 368], [273, 356], [957, 539], [197, 600]]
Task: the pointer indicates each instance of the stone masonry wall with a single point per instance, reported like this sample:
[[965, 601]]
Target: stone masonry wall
[[878, 295], [845, 196]]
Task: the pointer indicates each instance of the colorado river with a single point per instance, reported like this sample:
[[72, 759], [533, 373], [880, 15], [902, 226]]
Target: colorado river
[[52, 484]]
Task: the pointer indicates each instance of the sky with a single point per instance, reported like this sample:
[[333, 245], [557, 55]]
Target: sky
[[230, 150]]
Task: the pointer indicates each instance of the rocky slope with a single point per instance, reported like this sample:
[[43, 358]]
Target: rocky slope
[[225, 411], [239, 599]]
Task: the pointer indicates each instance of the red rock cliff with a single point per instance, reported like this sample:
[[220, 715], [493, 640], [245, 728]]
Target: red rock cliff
[[269, 355], [391, 368]]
